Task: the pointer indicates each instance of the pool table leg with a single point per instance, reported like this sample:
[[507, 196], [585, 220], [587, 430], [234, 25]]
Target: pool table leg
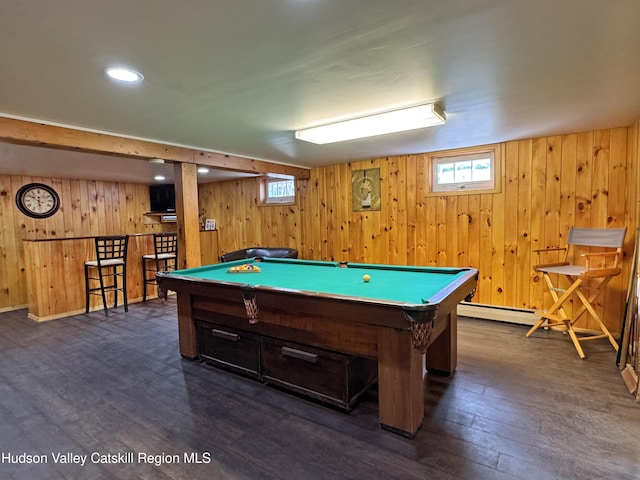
[[400, 383], [186, 328], [442, 354]]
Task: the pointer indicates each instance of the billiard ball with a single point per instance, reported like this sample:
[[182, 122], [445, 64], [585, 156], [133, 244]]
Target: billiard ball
[[366, 278]]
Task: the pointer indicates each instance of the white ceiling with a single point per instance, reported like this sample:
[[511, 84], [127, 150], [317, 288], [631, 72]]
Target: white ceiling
[[240, 76]]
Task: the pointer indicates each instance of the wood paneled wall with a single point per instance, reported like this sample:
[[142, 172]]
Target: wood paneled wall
[[549, 184], [241, 222], [87, 208], [584, 179], [209, 247]]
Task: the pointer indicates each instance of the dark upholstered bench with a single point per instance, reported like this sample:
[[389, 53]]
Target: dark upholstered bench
[[262, 252]]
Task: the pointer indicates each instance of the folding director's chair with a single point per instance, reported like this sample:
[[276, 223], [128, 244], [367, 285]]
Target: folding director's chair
[[599, 268]]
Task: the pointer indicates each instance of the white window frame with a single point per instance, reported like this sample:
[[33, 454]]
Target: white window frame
[[493, 185], [266, 199]]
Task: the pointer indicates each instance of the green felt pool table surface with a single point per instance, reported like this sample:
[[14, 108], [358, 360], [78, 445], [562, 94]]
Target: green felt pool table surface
[[389, 283]]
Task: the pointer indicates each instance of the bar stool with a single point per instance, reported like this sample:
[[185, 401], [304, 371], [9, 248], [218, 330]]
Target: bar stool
[[110, 263], [163, 259]]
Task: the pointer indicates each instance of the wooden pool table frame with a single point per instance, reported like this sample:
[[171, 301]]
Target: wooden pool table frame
[[367, 329]]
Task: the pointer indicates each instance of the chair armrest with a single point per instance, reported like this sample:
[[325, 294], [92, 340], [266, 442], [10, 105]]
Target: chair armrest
[[588, 256], [552, 264], [552, 249], [540, 251], [594, 254], [235, 255]]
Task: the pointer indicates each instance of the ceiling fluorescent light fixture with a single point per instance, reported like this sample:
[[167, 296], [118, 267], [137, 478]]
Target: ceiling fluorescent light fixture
[[379, 124]]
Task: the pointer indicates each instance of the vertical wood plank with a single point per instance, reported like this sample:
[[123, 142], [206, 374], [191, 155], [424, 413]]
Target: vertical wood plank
[[462, 219], [342, 251], [538, 183], [473, 237], [511, 273], [615, 296], [485, 286], [525, 258], [413, 205], [600, 179], [498, 244]]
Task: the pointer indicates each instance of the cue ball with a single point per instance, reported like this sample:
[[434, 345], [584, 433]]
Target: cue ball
[[366, 278]]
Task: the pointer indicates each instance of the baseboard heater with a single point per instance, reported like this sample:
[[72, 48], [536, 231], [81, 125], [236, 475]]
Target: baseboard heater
[[501, 314], [520, 316]]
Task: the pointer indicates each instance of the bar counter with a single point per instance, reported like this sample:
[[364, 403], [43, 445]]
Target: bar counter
[[55, 272]]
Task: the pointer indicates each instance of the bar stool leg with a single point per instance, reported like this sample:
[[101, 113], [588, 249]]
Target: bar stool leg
[[86, 288], [144, 280], [104, 297], [114, 272], [124, 287]]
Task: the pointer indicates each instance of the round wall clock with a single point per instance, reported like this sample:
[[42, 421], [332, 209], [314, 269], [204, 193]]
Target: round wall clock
[[37, 200]]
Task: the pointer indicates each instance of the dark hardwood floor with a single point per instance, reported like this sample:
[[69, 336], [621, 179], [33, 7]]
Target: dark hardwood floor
[[516, 408]]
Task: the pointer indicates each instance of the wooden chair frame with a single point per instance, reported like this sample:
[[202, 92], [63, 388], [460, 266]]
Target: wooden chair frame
[[110, 263], [163, 259], [600, 267]]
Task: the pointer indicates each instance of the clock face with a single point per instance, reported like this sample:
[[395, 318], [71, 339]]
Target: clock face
[[37, 200]]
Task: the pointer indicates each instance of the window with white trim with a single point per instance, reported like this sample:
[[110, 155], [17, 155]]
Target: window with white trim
[[277, 191], [465, 171]]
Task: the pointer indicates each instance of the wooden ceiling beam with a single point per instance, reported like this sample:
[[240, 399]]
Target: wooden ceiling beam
[[50, 136], [248, 165]]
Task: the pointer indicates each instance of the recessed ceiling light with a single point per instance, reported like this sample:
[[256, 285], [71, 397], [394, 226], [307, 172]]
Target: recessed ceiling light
[[124, 74], [203, 170], [159, 178]]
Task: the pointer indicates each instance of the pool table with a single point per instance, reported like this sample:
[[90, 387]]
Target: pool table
[[395, 317]]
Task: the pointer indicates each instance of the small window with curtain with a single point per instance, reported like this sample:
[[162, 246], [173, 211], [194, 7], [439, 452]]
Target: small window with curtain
[[277, 191], [475, 170]]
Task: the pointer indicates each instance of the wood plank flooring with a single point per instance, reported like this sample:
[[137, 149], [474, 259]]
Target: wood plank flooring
[[516, 408]]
